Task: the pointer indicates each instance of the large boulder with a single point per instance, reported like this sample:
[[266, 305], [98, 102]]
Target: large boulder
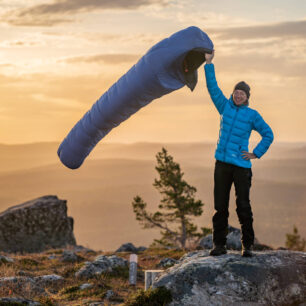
[[166, 262], [268, 278], [36, 225], [233, 240]]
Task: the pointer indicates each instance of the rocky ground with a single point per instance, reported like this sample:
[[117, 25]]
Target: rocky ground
[[39, 268], [80, 276], [75, 276]]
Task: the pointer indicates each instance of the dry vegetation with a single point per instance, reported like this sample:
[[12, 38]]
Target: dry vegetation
[[68, 291]]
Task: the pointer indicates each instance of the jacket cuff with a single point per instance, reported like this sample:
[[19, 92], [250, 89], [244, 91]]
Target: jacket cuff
[[257, 154], [209, 66]]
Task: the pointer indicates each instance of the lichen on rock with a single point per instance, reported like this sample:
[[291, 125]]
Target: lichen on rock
[[268, 278]]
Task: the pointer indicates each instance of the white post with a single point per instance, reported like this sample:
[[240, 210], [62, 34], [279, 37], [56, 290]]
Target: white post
[[133, 269], [150, 276]]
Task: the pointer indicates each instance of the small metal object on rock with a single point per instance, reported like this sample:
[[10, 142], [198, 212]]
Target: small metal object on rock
[[150, 275]]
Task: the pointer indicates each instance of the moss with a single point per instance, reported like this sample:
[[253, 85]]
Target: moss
[[152, 297], [117, 299], [47, 301], [6, 264], [28, 262], [69, 271], [54, 251], [74, 292], [122, 272], [69, 289]]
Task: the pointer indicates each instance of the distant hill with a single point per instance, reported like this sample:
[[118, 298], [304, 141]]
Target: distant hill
[[100, 193], [25, 156]]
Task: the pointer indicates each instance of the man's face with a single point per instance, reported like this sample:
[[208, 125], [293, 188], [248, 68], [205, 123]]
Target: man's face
[[239, 96]]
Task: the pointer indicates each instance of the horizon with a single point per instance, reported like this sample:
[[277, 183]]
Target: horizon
[[103, 187]]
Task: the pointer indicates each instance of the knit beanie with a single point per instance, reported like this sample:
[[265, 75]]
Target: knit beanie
[[243, 86]]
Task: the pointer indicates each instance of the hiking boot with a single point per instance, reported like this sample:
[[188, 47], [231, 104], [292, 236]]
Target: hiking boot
[[218, 250], [247, 251]]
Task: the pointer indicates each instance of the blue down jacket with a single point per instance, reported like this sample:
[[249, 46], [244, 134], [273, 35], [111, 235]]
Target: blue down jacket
[[236, 125], [167, 66]]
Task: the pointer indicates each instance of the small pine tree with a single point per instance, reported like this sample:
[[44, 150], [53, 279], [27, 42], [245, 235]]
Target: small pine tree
[[177, 206], [294, 241]]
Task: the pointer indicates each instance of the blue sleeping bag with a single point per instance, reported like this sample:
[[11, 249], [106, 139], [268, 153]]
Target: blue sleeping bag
[[167, 66]]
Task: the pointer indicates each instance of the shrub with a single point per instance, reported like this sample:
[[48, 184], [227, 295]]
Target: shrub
[[294, 241], [152, 297]]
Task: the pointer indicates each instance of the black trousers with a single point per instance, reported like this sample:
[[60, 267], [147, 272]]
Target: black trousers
[[225, 174]]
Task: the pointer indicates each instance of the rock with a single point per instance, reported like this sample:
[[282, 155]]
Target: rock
[[86, 286], [36, 225], [141, 249], [47, 280], [262, 247], [232, 229], [52, 257], [17, 301], [188, 255], [17, 283], [90, 269], [23, 273], [5, 259], [166, 262], [282, 248], [100, 265], [114, 260], [268, 278], [109, 294], [127, 247], [206, 242], [69, 256], [32, 284], [80, 248], [233, 241]]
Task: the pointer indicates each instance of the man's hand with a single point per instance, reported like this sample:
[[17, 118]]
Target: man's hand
[[246, 155], [209, 57]]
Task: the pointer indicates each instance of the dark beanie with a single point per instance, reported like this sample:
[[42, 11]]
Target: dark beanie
[[243, 86]]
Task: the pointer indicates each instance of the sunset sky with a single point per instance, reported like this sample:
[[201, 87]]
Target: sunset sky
[[58, 57]]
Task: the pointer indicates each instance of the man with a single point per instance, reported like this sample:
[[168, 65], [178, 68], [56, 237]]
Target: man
[[233, 159]]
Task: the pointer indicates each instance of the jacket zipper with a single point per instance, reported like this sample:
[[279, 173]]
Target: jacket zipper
[[229, 134]]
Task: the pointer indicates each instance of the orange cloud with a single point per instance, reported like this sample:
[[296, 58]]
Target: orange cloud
[[105, 58], [55, 13], [281, 29]]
